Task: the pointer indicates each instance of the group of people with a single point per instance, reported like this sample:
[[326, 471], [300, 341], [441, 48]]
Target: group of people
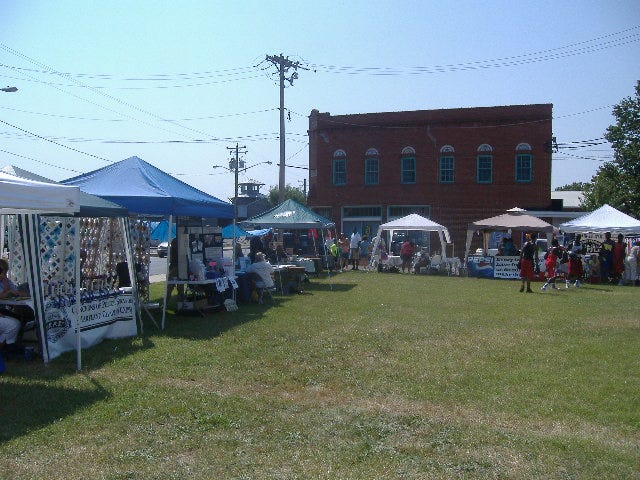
[[613, 264], [353, 251]]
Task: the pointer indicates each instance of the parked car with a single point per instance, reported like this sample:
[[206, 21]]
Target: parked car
[[163, 249]]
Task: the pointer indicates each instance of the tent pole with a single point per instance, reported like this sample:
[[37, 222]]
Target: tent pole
[[125, 229], [76, 246], [326, 255], [166, 282]]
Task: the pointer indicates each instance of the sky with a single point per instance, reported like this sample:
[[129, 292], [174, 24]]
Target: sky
[[180, 84]]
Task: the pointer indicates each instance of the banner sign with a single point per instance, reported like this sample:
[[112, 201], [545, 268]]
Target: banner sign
[[480, 266], [506, 267], [105, 317]]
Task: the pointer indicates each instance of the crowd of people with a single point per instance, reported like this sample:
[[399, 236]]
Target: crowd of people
[[616, 263]]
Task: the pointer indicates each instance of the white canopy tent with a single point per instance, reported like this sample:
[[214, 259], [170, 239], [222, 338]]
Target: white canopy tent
[[413, 222], [28, 199], [604, 219], [19, 195], [49, 235]]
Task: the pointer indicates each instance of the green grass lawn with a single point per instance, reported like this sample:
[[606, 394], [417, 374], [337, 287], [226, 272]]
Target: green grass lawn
[[383, 376]]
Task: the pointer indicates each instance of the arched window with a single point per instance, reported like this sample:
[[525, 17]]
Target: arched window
[[371, 167], [446, 170], [524, 163], [408, 165], [484, 164], [339, 167]]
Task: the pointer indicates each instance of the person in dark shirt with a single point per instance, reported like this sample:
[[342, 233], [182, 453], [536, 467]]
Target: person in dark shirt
[[606, 258], [528, 256]]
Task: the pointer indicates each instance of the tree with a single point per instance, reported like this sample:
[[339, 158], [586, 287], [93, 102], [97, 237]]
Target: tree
[[289, 193], [618, 182], [573, 187]]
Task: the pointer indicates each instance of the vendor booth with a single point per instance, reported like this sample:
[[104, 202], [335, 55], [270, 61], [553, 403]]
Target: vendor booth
[[490, 266], [604, 219], [410, 222], [75, 296], [148, 192], [290, 215]]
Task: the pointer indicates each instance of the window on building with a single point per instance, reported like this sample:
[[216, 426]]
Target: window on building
[[340, 167], [362, 211], [398, 211], [484, 164], [524, 163], [326, 212], [372, 167], [408, 165], [446, 164]]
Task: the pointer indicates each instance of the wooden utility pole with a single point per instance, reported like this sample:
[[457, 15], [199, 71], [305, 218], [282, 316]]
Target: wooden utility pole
[[234, 164], [284, 65]]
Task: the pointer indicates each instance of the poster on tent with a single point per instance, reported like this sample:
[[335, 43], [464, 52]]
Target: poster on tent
[[591, 242], [506, 267], [103, 318]]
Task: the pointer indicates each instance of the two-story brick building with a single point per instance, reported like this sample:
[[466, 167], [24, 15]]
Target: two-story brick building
[[453, 166]]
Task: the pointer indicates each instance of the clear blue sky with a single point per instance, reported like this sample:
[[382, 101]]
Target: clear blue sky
[[176, 83]]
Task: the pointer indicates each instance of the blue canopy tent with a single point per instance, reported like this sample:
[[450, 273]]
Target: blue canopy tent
[[161, 232], [146, 190], [230, 232]]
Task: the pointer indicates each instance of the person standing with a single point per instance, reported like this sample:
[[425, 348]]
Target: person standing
[[343, 245], [173, 270], [354, 248], [255, 246], [575, 261], [551, 263], [365, 246], [406, 254], [617, 267], [528, 256], [631, 264], [606, 258]]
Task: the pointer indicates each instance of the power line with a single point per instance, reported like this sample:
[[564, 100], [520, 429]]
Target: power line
[[42, 162], [580, 48], [106, 95], [56, 143]]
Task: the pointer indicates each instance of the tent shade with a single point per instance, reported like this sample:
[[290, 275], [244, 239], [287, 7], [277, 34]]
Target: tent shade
[[289, 214], [506, 221], [604, 219], [161, 230], [227, 232], [416, 222], [145, 189], [19, 195], [90, 205], [413, 222], [515, 222]]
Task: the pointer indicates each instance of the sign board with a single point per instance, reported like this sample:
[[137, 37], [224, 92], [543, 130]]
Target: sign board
[[506, 267], [107, 317]]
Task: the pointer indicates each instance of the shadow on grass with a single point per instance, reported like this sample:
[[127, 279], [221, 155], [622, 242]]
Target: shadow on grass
[[35, 405]]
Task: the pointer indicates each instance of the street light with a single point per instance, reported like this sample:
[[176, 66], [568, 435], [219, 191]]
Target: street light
[[237, 165], [9, 89]]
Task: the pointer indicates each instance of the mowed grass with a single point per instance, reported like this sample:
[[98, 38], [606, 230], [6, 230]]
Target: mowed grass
[[381, 376]]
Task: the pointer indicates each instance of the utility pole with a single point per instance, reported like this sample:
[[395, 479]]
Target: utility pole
[[234, 164], [283, 64]]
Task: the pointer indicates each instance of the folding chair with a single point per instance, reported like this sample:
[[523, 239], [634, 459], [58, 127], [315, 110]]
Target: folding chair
[[261, 289]]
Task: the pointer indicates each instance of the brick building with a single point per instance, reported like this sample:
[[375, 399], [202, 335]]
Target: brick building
[[453, 166]]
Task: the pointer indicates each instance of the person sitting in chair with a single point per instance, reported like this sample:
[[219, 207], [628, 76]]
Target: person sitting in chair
[[8, 289], [263, 270]]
